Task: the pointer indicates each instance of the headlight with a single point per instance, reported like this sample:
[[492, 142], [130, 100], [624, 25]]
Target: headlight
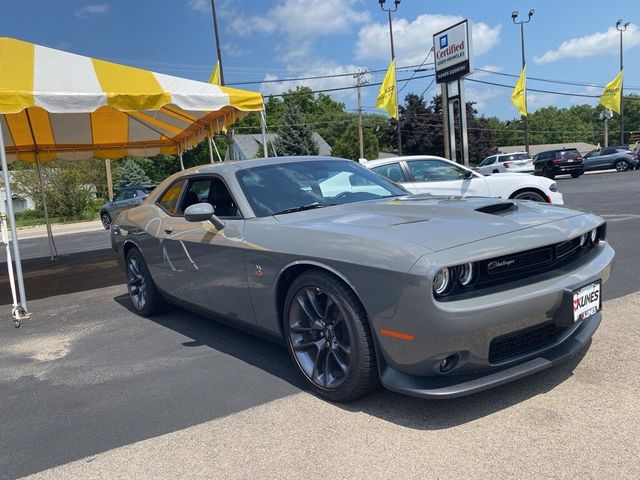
[[465, 274], [441, 281], [553, 187], [593, 236], [583, 239]]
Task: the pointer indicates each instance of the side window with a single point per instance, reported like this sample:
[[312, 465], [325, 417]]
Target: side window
[[169, 199], [212, 191], [119, 196], [609, 151], [392, 171], [434, 170], [488, 161]]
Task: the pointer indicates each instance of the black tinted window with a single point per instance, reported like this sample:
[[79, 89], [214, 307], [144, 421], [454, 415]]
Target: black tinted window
[[392, 171], [569, 153], [169, 199]]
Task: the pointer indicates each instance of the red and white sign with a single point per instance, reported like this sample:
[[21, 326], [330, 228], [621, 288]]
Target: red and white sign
[[452, 52], [586, 301]]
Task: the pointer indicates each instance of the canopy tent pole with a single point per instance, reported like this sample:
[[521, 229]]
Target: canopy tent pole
[[107, 167], [20, 311], [53, 251], [215, 147], [263, 125], [210, 149]]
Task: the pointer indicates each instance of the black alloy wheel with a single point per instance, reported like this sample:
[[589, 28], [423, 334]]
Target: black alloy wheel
[[328, 337], [106, 220], [144, 295]]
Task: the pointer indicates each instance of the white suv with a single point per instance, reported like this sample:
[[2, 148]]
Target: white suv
[[517, 162]]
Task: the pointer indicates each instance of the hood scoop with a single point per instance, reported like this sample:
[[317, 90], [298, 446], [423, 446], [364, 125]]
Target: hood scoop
[[497, 208]]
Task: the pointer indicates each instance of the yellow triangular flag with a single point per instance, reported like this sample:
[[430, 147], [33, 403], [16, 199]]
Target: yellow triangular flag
[[519, 95], [598, 147], [215, 75], [611, 97], [388, 96]]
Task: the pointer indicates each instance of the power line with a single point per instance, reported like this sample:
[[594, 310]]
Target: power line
[[417, 69]]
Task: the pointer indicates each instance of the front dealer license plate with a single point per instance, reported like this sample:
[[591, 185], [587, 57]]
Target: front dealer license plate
[[587, 301]]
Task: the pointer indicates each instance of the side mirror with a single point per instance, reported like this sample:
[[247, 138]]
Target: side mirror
[[201, 212], [468, 174]]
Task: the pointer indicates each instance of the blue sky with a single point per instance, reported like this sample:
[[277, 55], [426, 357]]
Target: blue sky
[[276, 39]]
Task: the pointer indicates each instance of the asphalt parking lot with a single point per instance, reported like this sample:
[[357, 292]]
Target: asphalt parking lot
[[90, 390]]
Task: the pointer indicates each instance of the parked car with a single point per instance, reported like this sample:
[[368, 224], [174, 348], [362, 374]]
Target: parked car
[[433, 297], [517, 162], [439, 176], [558, 162], [127, 197], [620, 158]]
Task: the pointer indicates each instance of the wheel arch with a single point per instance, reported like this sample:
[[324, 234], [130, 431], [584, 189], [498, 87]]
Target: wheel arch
[[531, 189], [292, 271]]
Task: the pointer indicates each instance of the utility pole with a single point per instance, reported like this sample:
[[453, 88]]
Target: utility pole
[[393, 57], [621, 28], [514, 15], [360, 81]]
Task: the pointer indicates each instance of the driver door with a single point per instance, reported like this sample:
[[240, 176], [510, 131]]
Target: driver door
[[439, 177], [199, 264]]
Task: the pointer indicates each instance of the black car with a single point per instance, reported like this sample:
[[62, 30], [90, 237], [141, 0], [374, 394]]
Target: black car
[[127, 197], [558, 162]]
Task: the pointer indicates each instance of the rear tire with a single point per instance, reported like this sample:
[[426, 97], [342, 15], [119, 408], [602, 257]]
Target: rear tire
[[547, 173], [576, 174], [621, 166], [144, 295], [106, 220], [328, 337]]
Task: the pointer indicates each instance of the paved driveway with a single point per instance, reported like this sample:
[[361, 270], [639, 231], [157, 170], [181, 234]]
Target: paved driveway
[[90, 390]]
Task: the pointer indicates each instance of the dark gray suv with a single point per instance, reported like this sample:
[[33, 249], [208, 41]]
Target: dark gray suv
[[127, 197]]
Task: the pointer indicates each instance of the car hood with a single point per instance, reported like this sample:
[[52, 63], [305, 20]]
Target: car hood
[[435, 223]]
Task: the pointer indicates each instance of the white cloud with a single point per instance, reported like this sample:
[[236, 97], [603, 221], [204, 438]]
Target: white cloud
[[318, 69], [301, 21], [598, 43], [412, 40], [95, 9], [200, 5]]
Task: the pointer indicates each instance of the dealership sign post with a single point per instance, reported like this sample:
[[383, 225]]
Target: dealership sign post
[[453, 56]]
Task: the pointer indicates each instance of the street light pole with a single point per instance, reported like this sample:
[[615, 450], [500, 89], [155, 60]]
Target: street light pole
[[393, 56], [621, 28], [215, 29], [514, 16]]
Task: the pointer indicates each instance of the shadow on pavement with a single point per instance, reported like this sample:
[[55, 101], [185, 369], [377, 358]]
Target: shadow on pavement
[[71, 273], [399, 409]]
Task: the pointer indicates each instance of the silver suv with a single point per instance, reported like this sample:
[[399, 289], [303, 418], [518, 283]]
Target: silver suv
[[516, 162]]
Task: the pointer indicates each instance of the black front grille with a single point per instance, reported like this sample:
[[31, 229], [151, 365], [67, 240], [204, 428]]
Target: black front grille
[[524, 341]]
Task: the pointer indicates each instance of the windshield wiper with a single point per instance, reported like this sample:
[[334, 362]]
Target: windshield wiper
[[301, 208]]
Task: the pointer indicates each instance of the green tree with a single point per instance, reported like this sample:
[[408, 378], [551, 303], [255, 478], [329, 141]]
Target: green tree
[[294, 136], [348, 145], [131, 174]]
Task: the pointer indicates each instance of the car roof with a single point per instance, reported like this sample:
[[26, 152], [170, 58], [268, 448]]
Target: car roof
[[510, 153], [386, 161]]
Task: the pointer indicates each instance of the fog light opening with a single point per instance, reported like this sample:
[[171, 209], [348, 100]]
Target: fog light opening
[[449, 363]]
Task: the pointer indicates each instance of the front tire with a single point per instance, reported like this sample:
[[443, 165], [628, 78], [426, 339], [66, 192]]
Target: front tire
[[328, 337], [530, 195], [105, 218], [576, 174], [144, 295]]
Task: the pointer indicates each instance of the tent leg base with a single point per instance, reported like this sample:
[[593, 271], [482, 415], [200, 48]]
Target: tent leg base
[[19, 314]]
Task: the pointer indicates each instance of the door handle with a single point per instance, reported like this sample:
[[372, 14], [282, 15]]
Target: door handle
[[168, 229]]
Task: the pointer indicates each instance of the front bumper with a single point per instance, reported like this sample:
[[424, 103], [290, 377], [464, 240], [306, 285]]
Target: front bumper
[[459, 385], [466, 326]]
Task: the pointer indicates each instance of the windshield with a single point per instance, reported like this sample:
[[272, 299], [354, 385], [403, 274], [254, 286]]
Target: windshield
[[288, 187], [569, 153], [515, 156]]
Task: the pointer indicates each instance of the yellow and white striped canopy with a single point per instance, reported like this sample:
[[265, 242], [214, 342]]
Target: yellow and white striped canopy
[[62, 105]]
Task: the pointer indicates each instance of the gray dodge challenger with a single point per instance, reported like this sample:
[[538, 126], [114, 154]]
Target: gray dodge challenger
[[435, 297]]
